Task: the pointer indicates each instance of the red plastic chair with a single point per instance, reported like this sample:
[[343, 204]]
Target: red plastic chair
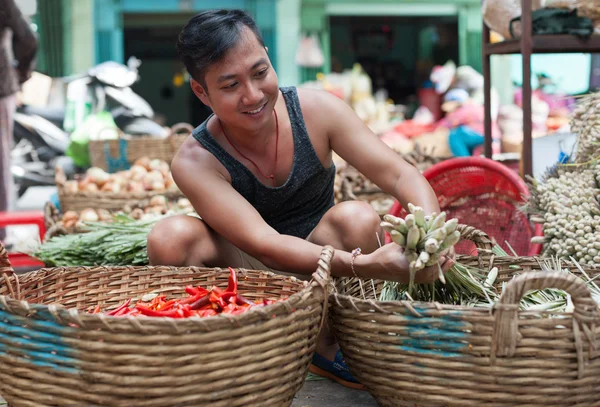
[[21, 260], [484, 194]]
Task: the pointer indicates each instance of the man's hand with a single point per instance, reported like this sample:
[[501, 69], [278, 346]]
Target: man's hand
[[388, 263]]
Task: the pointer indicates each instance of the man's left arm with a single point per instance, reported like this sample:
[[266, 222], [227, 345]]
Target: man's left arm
[[352, 140]]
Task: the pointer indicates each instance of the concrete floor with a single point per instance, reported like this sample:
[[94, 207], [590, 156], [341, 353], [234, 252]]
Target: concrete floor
[[327, 393]]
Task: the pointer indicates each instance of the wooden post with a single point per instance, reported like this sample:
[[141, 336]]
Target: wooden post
[[487, 92], [526, 49]]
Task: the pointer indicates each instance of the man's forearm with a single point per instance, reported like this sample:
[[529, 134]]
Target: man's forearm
[[412, 187], [295, 255]]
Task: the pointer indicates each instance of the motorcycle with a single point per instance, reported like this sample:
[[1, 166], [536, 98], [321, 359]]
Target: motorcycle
[[42, 135]]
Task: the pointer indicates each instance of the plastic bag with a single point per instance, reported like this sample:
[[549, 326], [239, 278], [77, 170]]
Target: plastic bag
[[559, 3], [497, 14], [309, 53], [94, 126]]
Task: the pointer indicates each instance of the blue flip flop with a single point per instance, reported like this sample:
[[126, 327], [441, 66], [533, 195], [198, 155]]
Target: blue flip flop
[[336, 370]]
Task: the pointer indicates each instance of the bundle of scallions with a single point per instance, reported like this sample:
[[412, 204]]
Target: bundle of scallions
[[121, 242], [470, 286]]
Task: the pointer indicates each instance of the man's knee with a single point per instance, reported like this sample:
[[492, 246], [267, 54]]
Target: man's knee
[[356, 224], [172, 240], [355, 215]]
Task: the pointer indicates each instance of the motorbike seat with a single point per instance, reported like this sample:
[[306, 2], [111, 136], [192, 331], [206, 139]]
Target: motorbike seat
[[54, 115]]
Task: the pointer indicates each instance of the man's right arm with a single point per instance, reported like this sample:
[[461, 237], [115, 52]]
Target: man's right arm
[[24, 42]]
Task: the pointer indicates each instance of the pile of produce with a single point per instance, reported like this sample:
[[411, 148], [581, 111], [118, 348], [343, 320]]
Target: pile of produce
[[145, 175], [425, 238], [566, 200], [199, 303], [158, 205], [120, 242]]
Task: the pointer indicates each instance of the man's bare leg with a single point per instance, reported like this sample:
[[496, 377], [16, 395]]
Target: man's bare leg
[[346, 226]]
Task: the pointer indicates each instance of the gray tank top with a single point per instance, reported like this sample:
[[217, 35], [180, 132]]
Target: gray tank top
[[295, 207]]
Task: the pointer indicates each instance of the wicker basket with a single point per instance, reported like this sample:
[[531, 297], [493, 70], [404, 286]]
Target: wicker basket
[[54, 353], [105, 200], [429, 354], [118, 154]]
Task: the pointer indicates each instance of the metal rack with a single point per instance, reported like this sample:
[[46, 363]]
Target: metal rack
[[527, 45]]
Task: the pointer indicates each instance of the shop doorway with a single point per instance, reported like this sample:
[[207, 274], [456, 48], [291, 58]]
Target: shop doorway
[[152, 39], [397, 52]]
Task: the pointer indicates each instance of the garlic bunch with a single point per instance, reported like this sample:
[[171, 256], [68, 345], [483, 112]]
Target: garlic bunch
[[585, 122], [568, 209], [423, 237]]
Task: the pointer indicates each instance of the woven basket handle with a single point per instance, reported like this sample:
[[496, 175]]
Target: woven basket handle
[[8, 274], [321, 277], [506, 325], [480, 238], [60, 177], [119, 132], [179, 129]]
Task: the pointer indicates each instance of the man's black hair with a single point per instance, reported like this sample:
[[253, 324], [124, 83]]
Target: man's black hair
[[206, 38]]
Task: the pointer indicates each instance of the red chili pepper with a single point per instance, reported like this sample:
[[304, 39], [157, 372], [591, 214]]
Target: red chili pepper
[[229, 296], [217, 299], [229, 309], [193, 299], [173, 313], [120, 307], [268, 302], [217, 291], [166, 305], [243, 300], [191, 290], [96, 310], [200, 302], [124, 311], [233, 283]]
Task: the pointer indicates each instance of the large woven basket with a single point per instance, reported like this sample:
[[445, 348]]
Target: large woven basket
[[81, 200], [118, 154], [429, 354], [54, 353]]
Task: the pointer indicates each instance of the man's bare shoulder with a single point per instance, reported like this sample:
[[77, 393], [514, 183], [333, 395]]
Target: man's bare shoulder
[[193, 159], [319, 104]]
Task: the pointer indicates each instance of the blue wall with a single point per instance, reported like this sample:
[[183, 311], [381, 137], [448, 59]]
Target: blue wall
[[108, 20]]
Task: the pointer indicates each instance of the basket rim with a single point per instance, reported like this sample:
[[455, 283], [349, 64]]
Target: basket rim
[[319, 283], [335, 296]]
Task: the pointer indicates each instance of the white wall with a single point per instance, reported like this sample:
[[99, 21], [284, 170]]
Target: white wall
[[28, 7]]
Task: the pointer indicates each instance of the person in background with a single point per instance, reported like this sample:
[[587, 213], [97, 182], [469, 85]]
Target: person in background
[[465, 120], [18, 46]]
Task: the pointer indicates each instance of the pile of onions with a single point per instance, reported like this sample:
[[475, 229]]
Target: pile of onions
[[145, 175], [158, 205]]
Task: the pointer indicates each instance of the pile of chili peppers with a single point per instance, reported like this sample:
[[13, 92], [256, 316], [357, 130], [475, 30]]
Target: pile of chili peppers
[[200, 303]]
